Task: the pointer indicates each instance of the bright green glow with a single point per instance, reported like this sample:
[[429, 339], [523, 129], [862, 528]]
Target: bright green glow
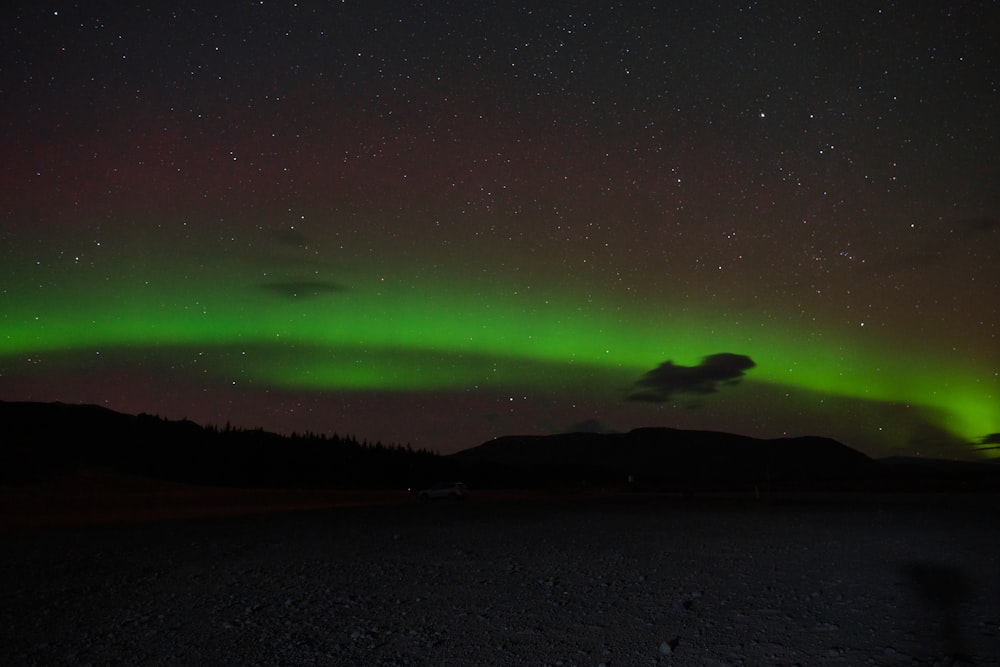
[[419, 370], [455, 333]]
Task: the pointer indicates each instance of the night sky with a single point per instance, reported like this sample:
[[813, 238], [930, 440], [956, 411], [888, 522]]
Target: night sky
[[435, 223]]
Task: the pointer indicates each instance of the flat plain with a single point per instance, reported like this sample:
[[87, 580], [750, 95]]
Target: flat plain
[[511, 579]]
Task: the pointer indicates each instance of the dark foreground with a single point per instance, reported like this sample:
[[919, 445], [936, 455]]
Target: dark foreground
[[588, 580]]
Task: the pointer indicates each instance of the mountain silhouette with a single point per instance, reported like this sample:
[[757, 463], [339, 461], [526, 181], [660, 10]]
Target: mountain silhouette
[[45, 442], [674, 458], [49, 441]]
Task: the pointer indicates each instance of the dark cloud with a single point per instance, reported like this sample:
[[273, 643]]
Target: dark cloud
[[988, 442], [667, 379], [304, 288]]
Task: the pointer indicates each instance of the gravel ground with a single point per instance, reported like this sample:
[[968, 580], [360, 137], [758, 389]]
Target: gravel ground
[[546, 581]]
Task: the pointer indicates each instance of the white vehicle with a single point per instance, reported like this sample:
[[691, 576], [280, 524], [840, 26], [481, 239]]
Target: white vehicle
[[452, 490]]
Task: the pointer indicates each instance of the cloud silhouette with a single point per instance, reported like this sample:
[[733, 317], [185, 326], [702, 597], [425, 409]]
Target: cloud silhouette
[[988, 442], [667, 379], [304, 288]]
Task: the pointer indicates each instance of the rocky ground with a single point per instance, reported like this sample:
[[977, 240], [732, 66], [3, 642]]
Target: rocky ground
[[609, 580]]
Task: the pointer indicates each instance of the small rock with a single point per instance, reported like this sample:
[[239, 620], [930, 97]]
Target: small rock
[[666, 648]]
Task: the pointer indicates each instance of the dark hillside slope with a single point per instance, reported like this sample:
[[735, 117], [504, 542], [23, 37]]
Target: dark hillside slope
[[48, 441], [671, 457]]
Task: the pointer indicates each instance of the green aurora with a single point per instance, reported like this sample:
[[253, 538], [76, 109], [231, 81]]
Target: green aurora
[[397, 335], [447, 223]]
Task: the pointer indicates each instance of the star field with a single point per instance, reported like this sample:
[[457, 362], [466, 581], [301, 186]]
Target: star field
[[442, 223]]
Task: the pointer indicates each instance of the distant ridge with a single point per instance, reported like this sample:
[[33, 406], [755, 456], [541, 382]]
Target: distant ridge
[[45, 439], [46, 442], [676, 457]]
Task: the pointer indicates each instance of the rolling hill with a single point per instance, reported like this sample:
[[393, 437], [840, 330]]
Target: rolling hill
[[47, 441]]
